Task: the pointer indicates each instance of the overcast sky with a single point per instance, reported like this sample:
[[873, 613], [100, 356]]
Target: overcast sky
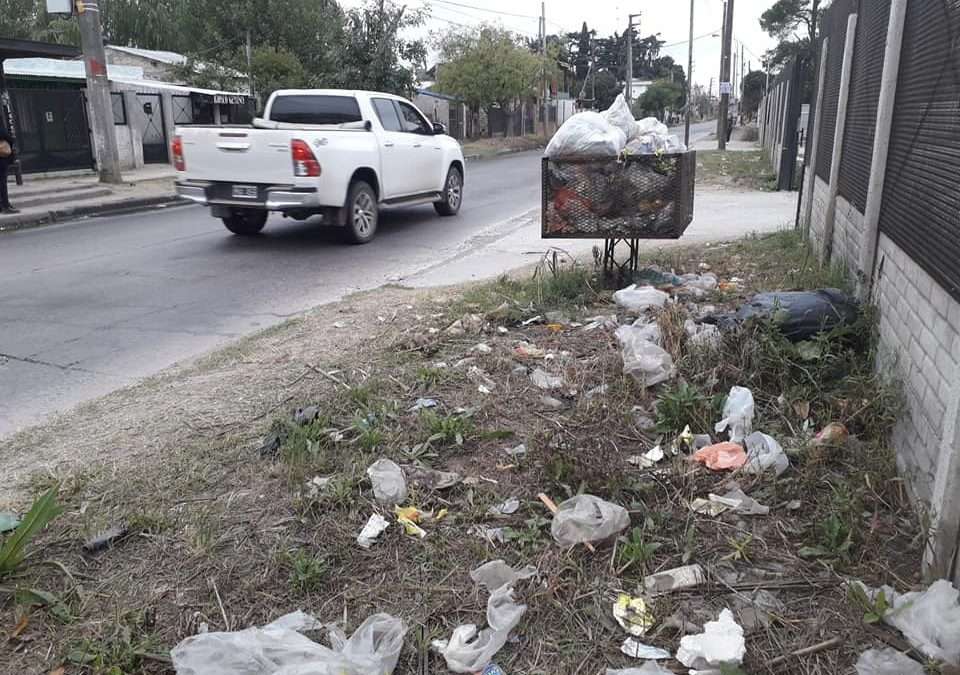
[[670, 18]]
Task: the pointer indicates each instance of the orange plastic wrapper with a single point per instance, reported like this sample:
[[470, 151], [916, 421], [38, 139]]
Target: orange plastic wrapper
[[721, 456], [834, 434]]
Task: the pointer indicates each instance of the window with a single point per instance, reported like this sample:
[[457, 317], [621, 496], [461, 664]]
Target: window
[[412, 120], [119, 108], [315, 109], [387, 113]]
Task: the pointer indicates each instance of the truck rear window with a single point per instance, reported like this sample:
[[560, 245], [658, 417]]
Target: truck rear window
[[315, 109]]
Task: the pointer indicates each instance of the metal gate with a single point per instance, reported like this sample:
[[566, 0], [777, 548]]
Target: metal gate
[[52, 129], [154, 130]]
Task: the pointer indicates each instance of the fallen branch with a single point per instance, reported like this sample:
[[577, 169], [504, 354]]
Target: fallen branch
[[813, 649]]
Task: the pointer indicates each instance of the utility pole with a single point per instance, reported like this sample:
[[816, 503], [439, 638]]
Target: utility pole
[[543, 49], [629, 94], [686, 123], [725, 86], [250, 63], [593, 72], [98, 91]]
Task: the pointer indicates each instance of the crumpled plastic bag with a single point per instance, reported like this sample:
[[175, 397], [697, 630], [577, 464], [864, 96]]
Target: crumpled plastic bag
[[280, 649], [702, 334], [586, 518], [721, 456], [619, 115], [648, 668], [720, 642], [649, 331], [764, 454], [647, 362], [737, 414], [636, 300], [651, 125], [887, 662], [469, 650], [930, 619], [389, 484], [802, 314], [586, 135]]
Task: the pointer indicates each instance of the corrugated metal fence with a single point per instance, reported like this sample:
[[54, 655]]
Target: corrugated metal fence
[[779, 115]]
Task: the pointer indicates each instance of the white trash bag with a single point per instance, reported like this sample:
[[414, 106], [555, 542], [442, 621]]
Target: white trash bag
[[635, 300], [651, 125], [619, 115], [586, 518], [586, 135], [648, 668], [469, 650], [737, 414], [764, 454], [389, 484], [280, 649], [645, 361], [720, 642], [887, 662]]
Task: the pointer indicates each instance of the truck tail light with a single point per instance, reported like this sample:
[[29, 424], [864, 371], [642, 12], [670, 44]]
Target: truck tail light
[[178, 162], [305, 163]]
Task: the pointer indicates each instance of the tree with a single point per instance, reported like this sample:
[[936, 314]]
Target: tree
[[754, 84], [794, 24], [276, 69], [661, 96], [581, 55], [608, 86], [487, 65], [373, 52]]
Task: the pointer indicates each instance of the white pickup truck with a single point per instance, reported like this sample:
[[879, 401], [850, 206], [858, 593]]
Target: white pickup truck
[[328, 152]]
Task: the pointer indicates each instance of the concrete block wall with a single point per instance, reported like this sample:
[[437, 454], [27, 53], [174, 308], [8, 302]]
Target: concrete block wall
[[820, 195], [848, 232]]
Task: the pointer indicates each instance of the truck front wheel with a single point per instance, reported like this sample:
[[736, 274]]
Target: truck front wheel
[[452, 193], [245, 222], [362, 213]]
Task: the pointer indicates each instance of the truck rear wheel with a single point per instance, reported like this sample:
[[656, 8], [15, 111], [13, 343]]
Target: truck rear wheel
[[362, 213], [245, 222], [452, 194]]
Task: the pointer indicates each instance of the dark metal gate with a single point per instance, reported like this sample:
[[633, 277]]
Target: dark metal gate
[[52, 129], [154, 130]]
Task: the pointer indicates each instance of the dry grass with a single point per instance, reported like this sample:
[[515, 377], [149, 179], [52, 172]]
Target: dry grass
[[223, 536], [749, 170]]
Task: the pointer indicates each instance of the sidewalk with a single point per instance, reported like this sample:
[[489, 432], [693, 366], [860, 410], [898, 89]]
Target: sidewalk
[[46, 200]]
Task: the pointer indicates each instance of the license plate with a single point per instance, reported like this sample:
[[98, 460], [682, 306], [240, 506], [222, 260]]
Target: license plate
[[245, 191]]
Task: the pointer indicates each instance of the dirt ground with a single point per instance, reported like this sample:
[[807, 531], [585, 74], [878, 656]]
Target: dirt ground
[[223, 530]]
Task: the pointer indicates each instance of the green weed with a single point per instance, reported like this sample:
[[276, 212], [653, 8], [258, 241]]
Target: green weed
[[683, 405], [447, 429], [14, 549], [637, 549], [308, 572]]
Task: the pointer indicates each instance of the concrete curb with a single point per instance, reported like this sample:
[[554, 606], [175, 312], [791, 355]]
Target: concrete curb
[[24, 221], [499, 153]]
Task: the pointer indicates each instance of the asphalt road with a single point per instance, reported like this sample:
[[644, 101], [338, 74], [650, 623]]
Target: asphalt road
[[90, 306]]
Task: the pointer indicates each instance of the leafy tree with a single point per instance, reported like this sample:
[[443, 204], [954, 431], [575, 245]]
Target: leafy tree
[[608, 86], [372, 51], [487, 65], [794, 24], [276, 69], [581, 53], [659, 97], [754, 84]]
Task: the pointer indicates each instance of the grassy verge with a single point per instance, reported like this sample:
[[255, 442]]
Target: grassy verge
[[748, 170], [224, 535], [490, 147]]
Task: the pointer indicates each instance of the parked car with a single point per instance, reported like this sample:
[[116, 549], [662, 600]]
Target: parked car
[[329, 152]]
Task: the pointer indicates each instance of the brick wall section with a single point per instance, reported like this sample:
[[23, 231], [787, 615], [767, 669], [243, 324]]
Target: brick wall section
[[152, 70], [847, 235], [920, 342], [820, 195]]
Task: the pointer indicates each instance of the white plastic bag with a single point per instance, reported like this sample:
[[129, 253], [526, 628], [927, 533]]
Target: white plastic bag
[[636, 300], [389, 485], [586, 518], [720, 642], [930, 619], [674, 144], [649, 331], [586, 135], [619, 115], [651, 125], [705, 282], [648, 363], [648, 668], [469, 650], [887, 662], [376, 524], [702, 334], [279, 649], [648, 144], [737, 414], [763, 454]]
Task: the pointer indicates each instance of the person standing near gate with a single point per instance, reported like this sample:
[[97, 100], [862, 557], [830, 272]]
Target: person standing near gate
[[7, 156]]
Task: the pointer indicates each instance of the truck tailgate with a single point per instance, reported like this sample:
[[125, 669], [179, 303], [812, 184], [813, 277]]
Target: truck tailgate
[[237, 155]]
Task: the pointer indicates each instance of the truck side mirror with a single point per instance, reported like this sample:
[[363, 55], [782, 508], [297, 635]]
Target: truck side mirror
[[439, 129]]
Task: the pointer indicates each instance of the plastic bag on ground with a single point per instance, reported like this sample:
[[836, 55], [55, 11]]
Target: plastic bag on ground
[[619, 115], [586, 518], [930, 619], [764, 454], [702, 334], [647, 362], [374, 527], [469, 650], [648, 668], [586, 135], [649, 331], [389, 485], [635, 300], [651, 125], [802, 314], [737, 414], [720, 642], [721, 456], [887, 662], [279, 648]]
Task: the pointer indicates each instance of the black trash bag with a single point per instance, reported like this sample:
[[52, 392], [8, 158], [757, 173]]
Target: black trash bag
[[802, 314]]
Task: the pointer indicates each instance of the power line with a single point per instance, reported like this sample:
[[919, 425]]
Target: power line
[[699, 37], [486, 9]]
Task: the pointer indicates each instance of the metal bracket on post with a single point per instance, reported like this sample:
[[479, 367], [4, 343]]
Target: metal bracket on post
[[626, 267]]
